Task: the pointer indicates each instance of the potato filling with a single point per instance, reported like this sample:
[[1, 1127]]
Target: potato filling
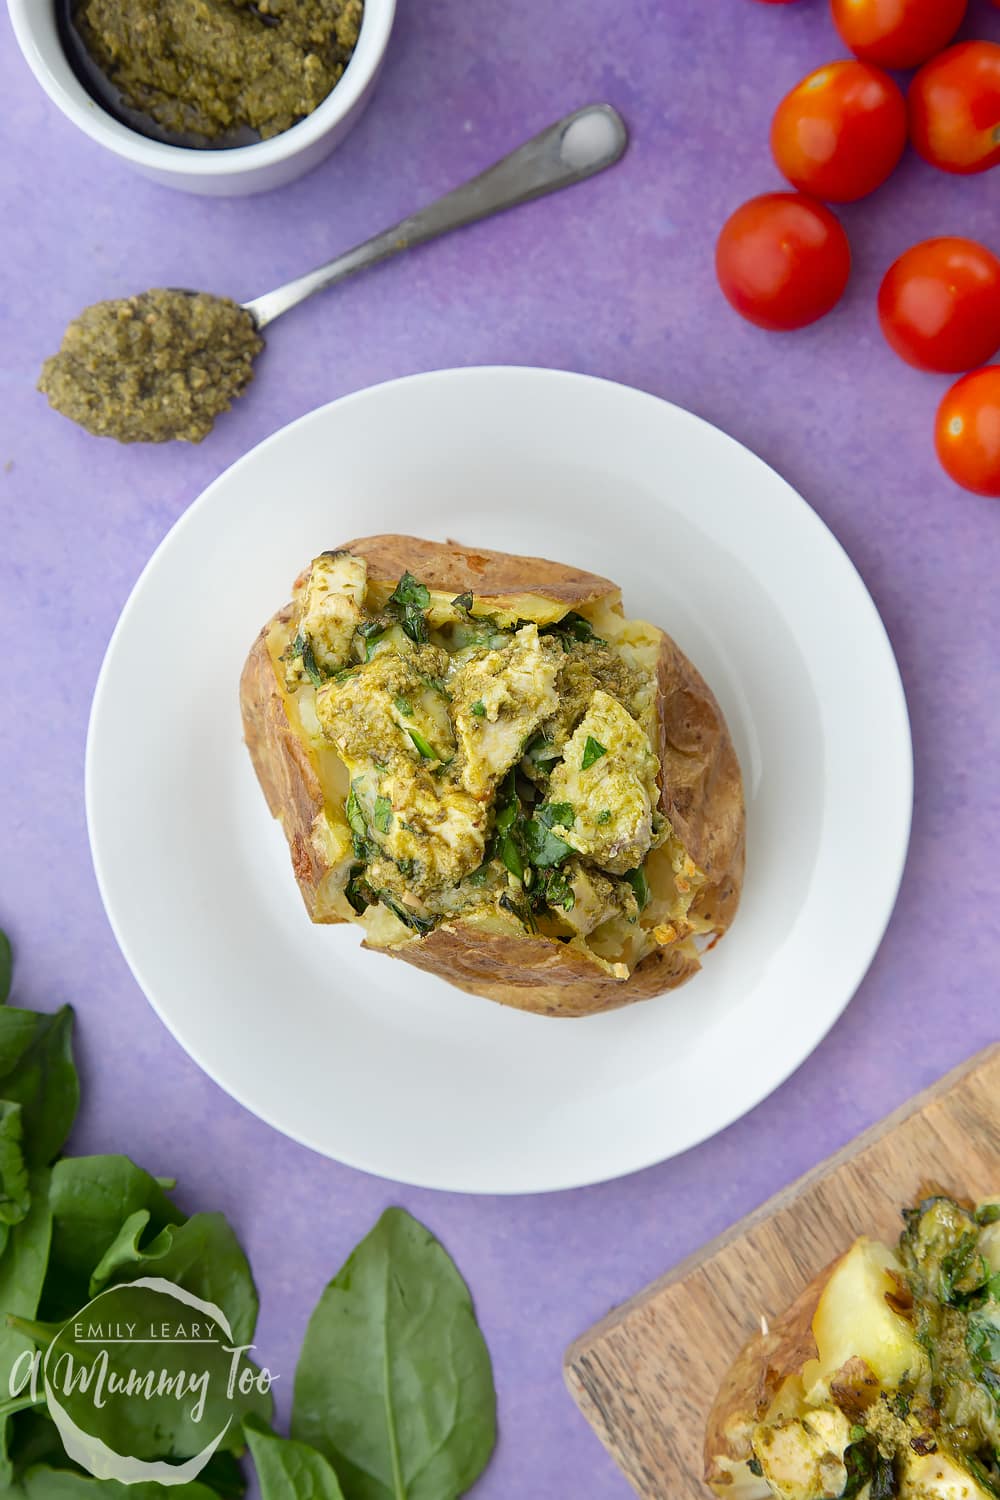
[[492, 765]]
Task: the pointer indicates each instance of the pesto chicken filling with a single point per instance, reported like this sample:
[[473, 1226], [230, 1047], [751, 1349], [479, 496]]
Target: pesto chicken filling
[[494, 764], [914, 1413]]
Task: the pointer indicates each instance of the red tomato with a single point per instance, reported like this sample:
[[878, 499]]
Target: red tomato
[[783, 260], [939, 305], [967, 433], [840, 132], [897, 33], [955, 108]]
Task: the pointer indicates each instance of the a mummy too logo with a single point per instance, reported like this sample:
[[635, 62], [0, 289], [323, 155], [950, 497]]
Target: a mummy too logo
[[145, 1369]]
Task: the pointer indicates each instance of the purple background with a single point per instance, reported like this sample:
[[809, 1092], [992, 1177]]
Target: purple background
[[614, 278]]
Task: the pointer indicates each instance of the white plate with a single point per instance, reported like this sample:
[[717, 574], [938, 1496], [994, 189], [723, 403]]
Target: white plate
[[375, 1063]]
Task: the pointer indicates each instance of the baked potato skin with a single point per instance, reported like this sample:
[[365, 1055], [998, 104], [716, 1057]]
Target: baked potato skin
[[284, 770], [701, 791], [495, 578], [754, 1377]]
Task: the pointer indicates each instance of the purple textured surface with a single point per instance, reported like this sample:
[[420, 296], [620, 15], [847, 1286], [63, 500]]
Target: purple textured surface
[[616, 278]]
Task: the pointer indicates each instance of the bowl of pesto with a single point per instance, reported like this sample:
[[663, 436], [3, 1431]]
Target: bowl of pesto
[[219, 97]]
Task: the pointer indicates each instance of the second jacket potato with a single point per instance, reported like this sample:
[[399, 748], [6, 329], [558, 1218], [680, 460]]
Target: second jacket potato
[[882, 1381]]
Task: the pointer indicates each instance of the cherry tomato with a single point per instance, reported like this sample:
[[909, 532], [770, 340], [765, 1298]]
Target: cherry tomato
[[897, 33], [939, 305], [955, 108], [840, 132], [967, 433], [783, 260]]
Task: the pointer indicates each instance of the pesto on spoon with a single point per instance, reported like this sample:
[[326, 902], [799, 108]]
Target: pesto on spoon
[[165, 364], [155, 367]]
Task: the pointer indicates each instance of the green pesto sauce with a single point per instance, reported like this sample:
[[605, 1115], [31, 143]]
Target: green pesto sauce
[[207, 68], [152, 368]]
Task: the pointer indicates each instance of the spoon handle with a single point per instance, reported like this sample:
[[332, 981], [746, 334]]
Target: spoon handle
[[584, 142]]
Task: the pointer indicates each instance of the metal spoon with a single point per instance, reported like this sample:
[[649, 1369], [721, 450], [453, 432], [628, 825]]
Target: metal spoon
[[573, 148]]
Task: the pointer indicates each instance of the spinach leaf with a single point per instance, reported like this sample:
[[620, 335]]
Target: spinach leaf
[[37, 1072], [406, 604], [462, 601], [383, 814], [91, 1197], [425, 748], [982, 1339], [592, 750], [160, 1426], [302, 647], [22, 1274], [394, 1385], [573, 627], [540, 753], [963, 1270], [988, 1213], [359, 893], [223, 1475], [478, 709], [637, 880], [544, 847], [15, 1196], [519, 909], [6, 966], [555, 890], [44, 1483], [410, 918], [287, 1470], [202, 1255], [511, 855]]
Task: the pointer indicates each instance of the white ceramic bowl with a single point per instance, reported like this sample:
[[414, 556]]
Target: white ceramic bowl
[[222, 173]]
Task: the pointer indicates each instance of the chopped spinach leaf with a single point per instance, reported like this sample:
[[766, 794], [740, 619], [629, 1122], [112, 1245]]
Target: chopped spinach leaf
[[573, 627], [404, 707], [358, 892], [544, 847], [412, 919], [556, 812], [521, 911], [302, 647], [963, 1270], [540, 754], [406, 604], [435, 683], [555, 890], [592, 750], [479, 709], [982, 1339], [463, 601], [423, 746], [637, 880], [604, 816], [356, 818], [988, 1213], [511, 855], [383, 814]]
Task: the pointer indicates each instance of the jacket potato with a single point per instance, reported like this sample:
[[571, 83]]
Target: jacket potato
[[882, 1380], [481, 761]]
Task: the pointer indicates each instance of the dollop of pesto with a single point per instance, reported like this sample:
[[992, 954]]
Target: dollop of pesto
[[209, 67], [152, 368]]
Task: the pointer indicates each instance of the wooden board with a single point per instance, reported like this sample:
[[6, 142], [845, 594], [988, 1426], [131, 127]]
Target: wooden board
[[646, 1376]]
